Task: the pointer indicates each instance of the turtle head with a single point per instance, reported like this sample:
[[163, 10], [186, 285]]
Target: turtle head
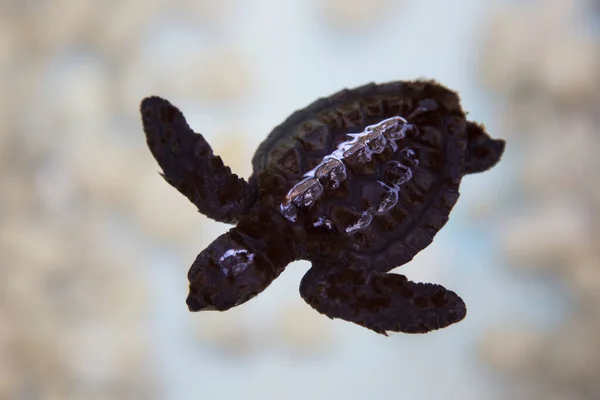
[[483, 152], [227, 273]]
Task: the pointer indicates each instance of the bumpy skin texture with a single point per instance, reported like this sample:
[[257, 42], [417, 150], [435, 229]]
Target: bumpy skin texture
[[186, 157], [349, 276], [381, 302]]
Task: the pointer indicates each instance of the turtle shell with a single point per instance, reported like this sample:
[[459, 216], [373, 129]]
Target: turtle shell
[[394, 202]]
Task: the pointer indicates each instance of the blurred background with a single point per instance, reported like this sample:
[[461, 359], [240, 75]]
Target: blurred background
[[95, 246]]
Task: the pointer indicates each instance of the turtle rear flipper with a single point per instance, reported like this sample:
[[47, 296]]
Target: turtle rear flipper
[[483, 152], [189, 165], [381, 302]]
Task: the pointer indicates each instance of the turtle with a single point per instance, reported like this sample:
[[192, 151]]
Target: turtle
[[356, 183]]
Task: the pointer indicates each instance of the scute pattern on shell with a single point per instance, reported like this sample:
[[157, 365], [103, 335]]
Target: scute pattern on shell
[[301, 142]]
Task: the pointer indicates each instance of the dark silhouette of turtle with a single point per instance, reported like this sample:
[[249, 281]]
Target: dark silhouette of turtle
[[356, 183]]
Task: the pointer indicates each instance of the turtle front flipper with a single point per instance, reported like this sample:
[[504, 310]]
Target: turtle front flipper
[[380, 302], [189, 165]]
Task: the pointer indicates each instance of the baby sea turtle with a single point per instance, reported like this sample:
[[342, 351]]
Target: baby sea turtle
[[357, 183]]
